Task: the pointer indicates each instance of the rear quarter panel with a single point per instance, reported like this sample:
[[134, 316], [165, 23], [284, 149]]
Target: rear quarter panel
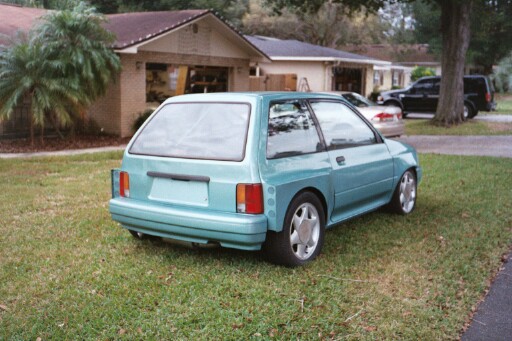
[[284, 178]]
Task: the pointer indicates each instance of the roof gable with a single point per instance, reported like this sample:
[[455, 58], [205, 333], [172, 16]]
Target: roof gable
[[131, 29], [136, 27], [134, 30]]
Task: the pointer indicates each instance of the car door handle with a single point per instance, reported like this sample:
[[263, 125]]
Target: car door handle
[[340, 159]]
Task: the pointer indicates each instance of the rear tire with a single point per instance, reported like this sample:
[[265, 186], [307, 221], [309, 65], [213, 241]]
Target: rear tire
[[469, 111], [302, 236]]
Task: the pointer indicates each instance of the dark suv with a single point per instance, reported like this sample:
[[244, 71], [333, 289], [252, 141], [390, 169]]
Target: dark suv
[[422, 96]]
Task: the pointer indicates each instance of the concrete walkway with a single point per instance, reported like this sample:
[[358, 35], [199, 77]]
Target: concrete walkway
[[60, 152]]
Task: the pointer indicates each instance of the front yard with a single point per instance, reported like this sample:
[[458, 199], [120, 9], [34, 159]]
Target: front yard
[[69, 272]]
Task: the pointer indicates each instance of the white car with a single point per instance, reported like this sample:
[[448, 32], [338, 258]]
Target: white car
[[387, 119]]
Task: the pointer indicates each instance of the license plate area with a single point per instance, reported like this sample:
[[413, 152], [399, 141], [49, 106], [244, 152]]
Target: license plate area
[[179, 190]]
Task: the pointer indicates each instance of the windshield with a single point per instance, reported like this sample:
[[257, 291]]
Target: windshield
[[213, 131], [357, 100]]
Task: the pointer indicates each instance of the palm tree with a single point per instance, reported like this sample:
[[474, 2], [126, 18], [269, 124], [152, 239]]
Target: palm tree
[[62, 68], [77, 38], [26, 72]]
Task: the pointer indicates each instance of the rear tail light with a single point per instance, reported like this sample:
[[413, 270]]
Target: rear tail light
[[382, 117], [487, 96], [249, 198], [124, 184]]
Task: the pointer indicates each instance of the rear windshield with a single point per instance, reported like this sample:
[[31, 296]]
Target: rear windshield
[[212, 131]]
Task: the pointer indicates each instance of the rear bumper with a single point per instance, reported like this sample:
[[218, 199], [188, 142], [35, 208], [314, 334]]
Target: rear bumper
[[232, 230]]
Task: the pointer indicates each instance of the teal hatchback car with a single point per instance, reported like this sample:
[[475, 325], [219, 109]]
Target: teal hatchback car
[[257, 171]]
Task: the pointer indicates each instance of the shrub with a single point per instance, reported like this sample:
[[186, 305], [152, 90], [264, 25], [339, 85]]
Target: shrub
[[143, 116], [502, 75], [374, 94], [421, 71]]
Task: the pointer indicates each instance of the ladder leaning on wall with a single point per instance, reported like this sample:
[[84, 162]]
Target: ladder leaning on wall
[[303, 85]]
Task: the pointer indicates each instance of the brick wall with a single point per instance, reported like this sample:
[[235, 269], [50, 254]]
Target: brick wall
[[133, 91], [107, 109], [126, 96]]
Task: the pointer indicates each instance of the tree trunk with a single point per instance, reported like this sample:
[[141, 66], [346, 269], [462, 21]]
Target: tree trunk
[[455, 22], [41, 137], [31, 129]]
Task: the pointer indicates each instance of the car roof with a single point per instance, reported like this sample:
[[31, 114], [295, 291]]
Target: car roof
[[248, 96]]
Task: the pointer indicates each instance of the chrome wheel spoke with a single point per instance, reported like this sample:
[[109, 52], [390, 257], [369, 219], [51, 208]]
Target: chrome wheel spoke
[[294, 238], [304, 231], [407, 192], [301, 251]]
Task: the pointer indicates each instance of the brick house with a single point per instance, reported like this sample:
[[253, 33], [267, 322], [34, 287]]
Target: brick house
[[162, 54]]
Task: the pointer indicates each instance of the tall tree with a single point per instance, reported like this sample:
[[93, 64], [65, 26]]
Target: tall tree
[[455, 31], [332, 25], [491, 29], [232, 10]]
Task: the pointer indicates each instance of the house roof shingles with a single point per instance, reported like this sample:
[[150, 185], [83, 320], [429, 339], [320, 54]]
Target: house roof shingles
[[282, 49], [15, 18], [129, 28], [133, 28]]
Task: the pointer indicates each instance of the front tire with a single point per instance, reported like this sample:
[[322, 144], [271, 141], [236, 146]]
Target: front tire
[[302, 236], [404, 197]]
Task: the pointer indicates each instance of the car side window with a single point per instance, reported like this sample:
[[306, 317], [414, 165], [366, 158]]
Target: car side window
[[423, 86], [291, 131], [341, 126], [435, 87]]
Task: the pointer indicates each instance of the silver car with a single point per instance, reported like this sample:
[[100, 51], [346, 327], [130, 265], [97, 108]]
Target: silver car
[[387, 119]]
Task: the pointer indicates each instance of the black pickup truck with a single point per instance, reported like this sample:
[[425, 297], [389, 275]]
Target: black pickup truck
[[423, 95]]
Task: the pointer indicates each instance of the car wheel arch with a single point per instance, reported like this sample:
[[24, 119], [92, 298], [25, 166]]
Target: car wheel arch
[[318, 194], [394, 102], [313, 190]]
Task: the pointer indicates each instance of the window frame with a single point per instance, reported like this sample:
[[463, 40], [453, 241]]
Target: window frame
[[303, 103], [376, 134], [247, 126]]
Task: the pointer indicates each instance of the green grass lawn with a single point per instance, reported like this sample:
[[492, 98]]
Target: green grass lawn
[[471, 127], [504, 102], [69, 272]]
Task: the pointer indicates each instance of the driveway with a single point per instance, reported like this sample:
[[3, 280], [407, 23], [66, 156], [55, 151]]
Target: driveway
[[500, 146]]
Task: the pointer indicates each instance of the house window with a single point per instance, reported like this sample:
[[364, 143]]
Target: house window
[[347, 79], [378, 78], [167, 80], [396, 78]]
